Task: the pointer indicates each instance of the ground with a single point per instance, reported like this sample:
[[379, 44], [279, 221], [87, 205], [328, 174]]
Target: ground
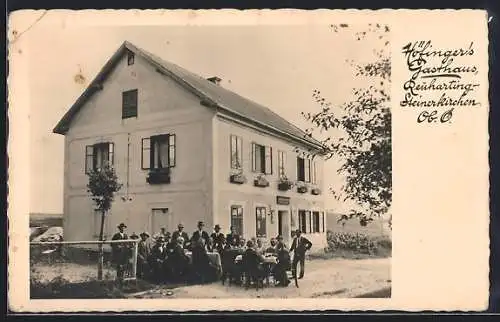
[[324, 279]]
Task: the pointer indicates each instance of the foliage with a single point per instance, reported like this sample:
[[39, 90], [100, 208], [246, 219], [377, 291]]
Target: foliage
[[357, 243], [358, 132], [103, 184]]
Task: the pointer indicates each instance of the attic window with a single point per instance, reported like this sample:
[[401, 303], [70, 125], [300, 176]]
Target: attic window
[[130, 58]]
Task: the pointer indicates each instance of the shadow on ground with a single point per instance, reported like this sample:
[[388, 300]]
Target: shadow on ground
[[383, 293]]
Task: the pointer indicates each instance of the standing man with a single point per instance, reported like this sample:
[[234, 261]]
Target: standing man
[[200, 234], [218, 239], [299, 245], [120, 251], [181, 233]]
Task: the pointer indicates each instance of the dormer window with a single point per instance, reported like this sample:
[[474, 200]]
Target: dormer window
[[130, 58]]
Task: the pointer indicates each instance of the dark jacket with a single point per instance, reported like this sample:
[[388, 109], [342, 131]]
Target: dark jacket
[[219, 241], [157, 254], [176, 234], [197, 235], [300, 247], [120, 251], [143, 250]]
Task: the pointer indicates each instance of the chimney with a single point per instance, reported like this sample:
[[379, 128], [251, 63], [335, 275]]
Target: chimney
[[216, 80]]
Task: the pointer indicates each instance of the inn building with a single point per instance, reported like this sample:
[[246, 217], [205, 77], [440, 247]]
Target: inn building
[[187, 149]]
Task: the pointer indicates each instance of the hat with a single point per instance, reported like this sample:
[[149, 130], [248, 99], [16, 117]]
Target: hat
[[144, 234], [298, 231], [134, 236], [217, 227], [180, 226], [122, 225], [159, 238], [200, 223]]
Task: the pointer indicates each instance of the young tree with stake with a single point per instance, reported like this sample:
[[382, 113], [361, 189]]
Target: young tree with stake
[[103, 184]]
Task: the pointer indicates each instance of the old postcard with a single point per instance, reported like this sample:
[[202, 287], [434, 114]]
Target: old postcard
[[214, 160]]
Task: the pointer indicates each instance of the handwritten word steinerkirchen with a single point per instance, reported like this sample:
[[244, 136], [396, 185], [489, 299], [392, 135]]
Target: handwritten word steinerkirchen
[[440, 79]]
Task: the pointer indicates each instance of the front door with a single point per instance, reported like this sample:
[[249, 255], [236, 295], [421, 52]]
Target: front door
[[284, 225]]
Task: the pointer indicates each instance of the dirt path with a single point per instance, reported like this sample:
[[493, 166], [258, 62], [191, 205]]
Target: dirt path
[[323, 279]]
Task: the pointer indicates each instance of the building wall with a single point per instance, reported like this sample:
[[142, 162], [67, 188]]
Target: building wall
[[163, 107], [248, 195]]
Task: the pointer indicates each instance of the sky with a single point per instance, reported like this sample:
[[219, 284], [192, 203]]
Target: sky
[[277, 66]]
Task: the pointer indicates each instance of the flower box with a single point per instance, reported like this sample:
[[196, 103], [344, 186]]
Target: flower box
[[302, 189], [261, 182], [159, 176], [284, 185], [237, 179], [316, 191]]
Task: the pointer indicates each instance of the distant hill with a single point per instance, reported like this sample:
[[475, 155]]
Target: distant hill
[[46, 219]]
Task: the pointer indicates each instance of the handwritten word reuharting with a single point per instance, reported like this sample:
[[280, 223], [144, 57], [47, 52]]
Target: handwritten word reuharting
[[441, 80]]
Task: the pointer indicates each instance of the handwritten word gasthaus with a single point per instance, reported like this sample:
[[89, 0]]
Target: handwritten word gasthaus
[[439, 78]]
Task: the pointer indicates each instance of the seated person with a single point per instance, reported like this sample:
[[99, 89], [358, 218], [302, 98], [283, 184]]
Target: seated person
[[178, 260], [259, 248], [252, 264], [158, 256], [242, 244], [203, 269], [271, 249]]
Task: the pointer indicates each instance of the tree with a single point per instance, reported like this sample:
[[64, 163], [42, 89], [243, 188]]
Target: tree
[[358, 132], [103, 184]]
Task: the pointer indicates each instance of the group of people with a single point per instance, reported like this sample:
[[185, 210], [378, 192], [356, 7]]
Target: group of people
[[178, 257]]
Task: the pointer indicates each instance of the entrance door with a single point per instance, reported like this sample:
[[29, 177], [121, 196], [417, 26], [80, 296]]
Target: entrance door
[[161, 218], [284, 225]]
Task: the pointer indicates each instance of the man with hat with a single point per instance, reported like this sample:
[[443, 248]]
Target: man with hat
[[232, 239], [181, 233], [120, 251], [158, 257], [300, 245], [200, 234], [218, 239], [143, 253]]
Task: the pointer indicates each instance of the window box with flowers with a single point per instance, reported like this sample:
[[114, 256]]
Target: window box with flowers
[[159, 176], [301, 187], [261, 181], [237, 178], [316, 191], [284, 184]]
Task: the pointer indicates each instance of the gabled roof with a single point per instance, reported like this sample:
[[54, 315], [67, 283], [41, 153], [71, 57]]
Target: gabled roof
[[210, 94]]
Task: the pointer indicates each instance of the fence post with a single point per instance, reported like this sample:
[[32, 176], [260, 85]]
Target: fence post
[[134, 260]]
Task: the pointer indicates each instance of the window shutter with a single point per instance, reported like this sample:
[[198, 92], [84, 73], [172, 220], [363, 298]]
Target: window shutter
[[239, 146], [111, 153], [171, 150], [89, 158], [307, 170], [146, 153], [269, 160], [254, 156]]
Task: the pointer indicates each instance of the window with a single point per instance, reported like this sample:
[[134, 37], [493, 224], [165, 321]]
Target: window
[[260, 217], [303, 220], [129, 104], [97, 155], [236, 152], [323, 222], [237, 219], [281, 163], [158, 152], [262, 159], [315, 225], [130, 58], [303, 169], [97, 223]]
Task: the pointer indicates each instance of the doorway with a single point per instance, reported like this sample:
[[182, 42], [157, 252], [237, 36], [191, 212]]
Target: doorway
[[284, 225], [161, 218]]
